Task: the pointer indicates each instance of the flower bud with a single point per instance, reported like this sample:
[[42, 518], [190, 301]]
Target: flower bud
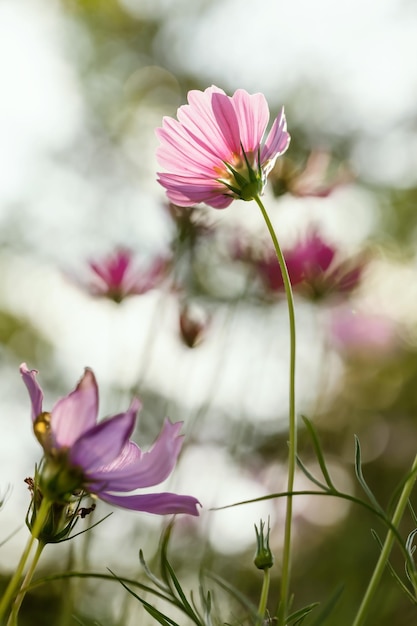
[[193, 324], [263, 557]]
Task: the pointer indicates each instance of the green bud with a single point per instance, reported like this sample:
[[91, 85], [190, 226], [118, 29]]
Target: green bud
[[61, 516], [263, 557]]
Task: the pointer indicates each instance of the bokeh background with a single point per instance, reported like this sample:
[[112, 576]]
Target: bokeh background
[[84, 83]]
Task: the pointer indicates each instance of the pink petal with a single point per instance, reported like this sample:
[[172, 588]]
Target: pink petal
[[148, 469], [253, 115], [35, 392], [277, 141], [218, 135], [105, 442], [157, 503], [181, 150], [227, 120], [184, 191], [77, 412]]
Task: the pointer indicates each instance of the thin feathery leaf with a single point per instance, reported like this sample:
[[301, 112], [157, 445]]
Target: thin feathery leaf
[[360, 476], [235, 593], [328, 608], [413, 513], [86, 529], [309, 475], [159, 583], [163, 619], [392, 570], [319, 453], [188, 609], [299, 616]]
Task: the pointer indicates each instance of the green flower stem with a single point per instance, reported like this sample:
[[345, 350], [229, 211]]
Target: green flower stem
[[387, 547], [15, 580], [264, 596], [12, 621], [292, 444]]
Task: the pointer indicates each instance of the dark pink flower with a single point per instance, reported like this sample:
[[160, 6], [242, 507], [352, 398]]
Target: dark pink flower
[[313, 267], [99, 458], [117, 276], [213, 153]]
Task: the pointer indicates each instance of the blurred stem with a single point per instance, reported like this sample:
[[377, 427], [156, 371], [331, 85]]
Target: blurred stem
[[12, 621], [264, 596], [15, 580], [387, 547], [292, 443]]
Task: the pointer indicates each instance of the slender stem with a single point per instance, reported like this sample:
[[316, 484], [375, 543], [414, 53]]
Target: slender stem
[[292, 444], [264, 596], [12, 621], [387, 547], [15, 580]]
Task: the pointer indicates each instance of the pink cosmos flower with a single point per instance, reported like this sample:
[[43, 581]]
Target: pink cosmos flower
[[99, 458], [313, 267], [319, 177], [213, 153], [116, 276], [363, 334]]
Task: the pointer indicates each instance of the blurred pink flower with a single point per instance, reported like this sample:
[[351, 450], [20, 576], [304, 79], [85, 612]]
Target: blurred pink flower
[[213, 152], [313, 267], [116, 276], [99, 458], [319, 177], [367, 334]]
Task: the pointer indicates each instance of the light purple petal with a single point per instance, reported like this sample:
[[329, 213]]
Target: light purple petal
[[105, 442], [35, 392], [149, 469], [157, 503], [77, 412]]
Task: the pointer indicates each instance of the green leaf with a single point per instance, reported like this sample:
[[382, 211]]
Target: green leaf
[[299, 616], [158, 583], [328, 607], [309, 475], [361, 479], [319, 452], [393, 572], [235, 593]]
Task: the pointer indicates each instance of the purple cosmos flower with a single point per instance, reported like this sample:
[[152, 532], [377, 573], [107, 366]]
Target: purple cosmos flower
[[99, 458], [213, 152], [116, 276]]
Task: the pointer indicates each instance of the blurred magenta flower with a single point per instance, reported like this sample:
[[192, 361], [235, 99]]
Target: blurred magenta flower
[[314, 268], [99, 459], [213, 152], [117, 276]]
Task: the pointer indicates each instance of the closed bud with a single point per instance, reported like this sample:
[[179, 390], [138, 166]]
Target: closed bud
[[263, 557], [193, 324]]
